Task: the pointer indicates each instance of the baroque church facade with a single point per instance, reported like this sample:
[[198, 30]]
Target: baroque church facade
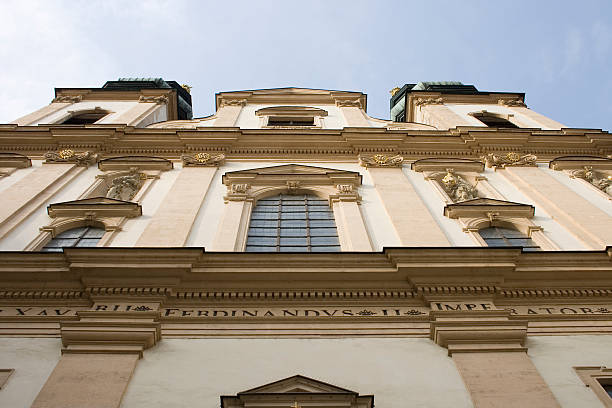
[[293, 251]]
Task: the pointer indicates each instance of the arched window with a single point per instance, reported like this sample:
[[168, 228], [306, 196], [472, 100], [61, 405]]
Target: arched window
[[493, 120], [76, 237], [504, 237], [86, 117], [292, 223]]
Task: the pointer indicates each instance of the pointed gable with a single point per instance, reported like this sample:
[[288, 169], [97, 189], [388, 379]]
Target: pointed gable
[[101, 206], [280, 174], [298, 391], [478, 206]]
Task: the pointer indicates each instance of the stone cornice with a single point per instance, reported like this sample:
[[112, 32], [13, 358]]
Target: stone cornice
[[465, 142]]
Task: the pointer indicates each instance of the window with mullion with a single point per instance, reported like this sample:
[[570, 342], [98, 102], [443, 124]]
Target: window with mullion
[[504, 237], [292, 223]]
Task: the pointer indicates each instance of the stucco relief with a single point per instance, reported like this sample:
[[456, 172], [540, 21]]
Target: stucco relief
[[70, 156], [457, 187], [125, 187], [381, 160], [601, 181], [203, 159], [509, 159], [67, 99]]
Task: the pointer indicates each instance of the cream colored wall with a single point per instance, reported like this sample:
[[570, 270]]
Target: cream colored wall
[[134, 227], [552, 229], [398, 371], [33, 360], [554, 357], [26, 231], [464, 109], [582, 188], [6, 182], [248, 120]]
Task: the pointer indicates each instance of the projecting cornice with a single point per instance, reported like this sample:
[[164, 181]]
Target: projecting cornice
[[326, 144]]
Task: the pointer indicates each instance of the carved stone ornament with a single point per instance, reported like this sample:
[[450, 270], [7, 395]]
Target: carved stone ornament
[[347, 103], [232, 102], [292, 186], [239, 188], [70, 156], [381, 160], [124, 188], [512, 102], [588, 174], [203, 159], [510, 159], [428, 101], [345, 188], [159, 100], [457, 188], [67, 99]]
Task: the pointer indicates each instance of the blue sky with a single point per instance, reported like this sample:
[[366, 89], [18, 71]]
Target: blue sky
[[557, 52]]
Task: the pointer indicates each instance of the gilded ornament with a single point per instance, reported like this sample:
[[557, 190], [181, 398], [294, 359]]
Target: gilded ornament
[[70, 156], [381, 160], [509, 159], [203, 159], [187, 88], [394, 91]]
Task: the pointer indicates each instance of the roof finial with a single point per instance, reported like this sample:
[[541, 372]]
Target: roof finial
[[187, 88], [394, 91]]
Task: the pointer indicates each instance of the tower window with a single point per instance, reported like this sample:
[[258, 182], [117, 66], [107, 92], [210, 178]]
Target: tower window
[[292, 223], [280, 121], [494, 121], [504, 237], [76, 237], [86, 118]]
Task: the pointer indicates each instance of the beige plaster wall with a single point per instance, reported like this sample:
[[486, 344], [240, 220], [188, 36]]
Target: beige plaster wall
[[117, 108], [554, 357], [33, 361], [26, 231], [248, 120], [6, 182], [195, 372]]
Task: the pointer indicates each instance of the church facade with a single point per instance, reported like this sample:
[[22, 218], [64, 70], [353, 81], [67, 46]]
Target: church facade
[[293, 251]]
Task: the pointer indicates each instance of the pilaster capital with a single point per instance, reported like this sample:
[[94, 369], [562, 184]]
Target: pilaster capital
[[348, 103], [203, 159], [67, 99], [428, 101], [477, 331], [513, 102], [381, 160], [158, 100], [70, 156], [102, 332], [232, 102]]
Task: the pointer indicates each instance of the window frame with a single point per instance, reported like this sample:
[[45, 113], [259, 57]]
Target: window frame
[[81, 237], [594, 378], [291, 113]]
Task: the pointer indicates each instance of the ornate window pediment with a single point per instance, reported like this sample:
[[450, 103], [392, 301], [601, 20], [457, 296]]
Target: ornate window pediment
[[298, 392], [14, 160], [482, 213], [292, 178], [100, 206], [291, 116], [597, 171], [140, 162]]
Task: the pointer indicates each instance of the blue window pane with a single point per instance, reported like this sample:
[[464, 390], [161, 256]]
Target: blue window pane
[[261, 240], [73, 233], [60, 242], [293, 208], [293, 216], [489, 233], [314, 208], [263, 232], [293, 224], [293, 232], [323, 232], [264, 216], [264, 223], [251, 248], [324, 241], [326, 249], [87, 242], [496, 242], [321, 216], [322, 223], [94, 233], [294, 241], [293, 249], [266, 208]]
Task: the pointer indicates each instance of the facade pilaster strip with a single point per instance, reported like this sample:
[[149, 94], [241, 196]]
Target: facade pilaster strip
[[352, 230], [542, 120], [354, 116], [172, 222], [413, 223], [232, 228], [137, 113], [227, 115], [584, 220], [41, 113], [441, 116], [25, 196]]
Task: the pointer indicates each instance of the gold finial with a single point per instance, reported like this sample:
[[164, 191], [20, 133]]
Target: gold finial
[[187, 88], [394, 91]]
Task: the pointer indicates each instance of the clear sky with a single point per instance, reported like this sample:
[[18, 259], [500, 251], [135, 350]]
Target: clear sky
[[557, 52]]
